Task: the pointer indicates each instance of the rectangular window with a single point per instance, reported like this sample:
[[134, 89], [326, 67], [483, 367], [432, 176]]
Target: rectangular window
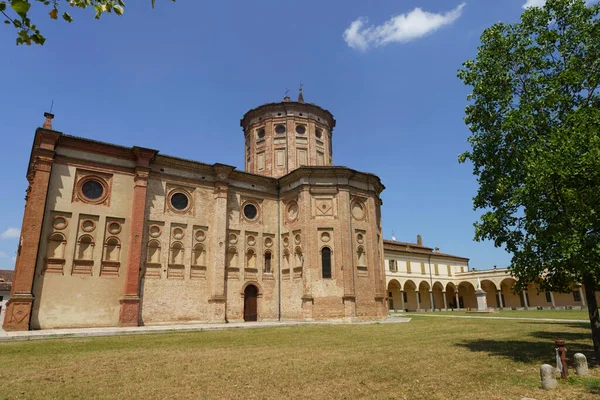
[[390, 295], [267, 263], [449, 270], [576, 295], [462, 269], [422, 268], [548, 297], [261, 161], [1, 298], [436, 269], [408, 268], [320, 158], [280, 157], [392, 265], [301, 157]]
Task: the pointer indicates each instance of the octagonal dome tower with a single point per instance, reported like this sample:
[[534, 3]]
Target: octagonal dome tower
[[281, 137]]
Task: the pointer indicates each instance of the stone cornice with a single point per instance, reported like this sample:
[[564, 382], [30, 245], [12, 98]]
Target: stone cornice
[[284, 107]]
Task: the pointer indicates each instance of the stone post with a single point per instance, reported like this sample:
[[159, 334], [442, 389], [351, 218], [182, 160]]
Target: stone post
[[18, 308], [402, 299], [431, 300], [481, 300], [445, 300], [457, 300], [548, 377], [418, 302], [499, 294], [552, 299], [581, 365], [129, 314]]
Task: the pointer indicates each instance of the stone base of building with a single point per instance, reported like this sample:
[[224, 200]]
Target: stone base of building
[[18, 313], [130, 311]]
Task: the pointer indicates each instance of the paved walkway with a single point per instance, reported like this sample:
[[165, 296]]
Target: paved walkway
[[188, 327], [576, 321]]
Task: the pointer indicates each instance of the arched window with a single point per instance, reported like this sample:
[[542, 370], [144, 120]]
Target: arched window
[[286, 260], [326, 262], [268, 262], [85, 248], [199, 255], [56, 246], [250, 259], [177, 253], [232, 258], [112, 249], [361, 258], [153, 255]]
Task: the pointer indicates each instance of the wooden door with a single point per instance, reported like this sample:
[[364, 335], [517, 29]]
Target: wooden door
[[250, 303]]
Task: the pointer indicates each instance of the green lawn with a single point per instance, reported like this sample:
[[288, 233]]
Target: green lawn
[[550, 314], [428, 358]]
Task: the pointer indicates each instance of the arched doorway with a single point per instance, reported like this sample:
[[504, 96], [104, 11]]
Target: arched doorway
[[250, 303]]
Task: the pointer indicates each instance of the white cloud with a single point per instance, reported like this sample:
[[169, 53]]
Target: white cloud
[[11, 233], [534, 3], [401, 28]]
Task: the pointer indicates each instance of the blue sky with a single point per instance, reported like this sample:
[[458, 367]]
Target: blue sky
[[179, 78]]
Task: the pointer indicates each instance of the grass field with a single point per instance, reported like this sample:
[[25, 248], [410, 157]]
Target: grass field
[[550, 314], [428, 358]]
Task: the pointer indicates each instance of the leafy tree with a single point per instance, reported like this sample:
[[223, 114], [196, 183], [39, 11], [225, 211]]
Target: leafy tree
[[534, 117], [28, 33]]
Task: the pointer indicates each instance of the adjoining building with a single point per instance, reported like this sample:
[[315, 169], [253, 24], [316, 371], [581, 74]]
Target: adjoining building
[[119, 236], [421, 278], [5, 286]]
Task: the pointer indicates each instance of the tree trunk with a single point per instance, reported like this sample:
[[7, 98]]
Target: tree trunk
[[590, 296]]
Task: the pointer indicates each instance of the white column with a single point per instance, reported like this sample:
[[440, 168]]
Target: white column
[[552, 299], [457, 299], [445, 301], [418, 302], [582, 296], [499, 294], [402, 299], [431, 300]]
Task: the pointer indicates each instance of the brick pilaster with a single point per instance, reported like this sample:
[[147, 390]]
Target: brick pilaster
[[218, 297], [130, 302], [18, 310]]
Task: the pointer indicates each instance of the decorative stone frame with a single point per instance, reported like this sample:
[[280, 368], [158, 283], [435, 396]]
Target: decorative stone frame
[[90, 229], [289, 213], [256, 203], [173, 191], [114, 231], [84, 176], [64, 226], [363, 207], [156, 234]]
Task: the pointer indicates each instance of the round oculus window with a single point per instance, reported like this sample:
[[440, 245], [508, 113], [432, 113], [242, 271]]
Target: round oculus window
[[179, 201], [92, 189], [250, 211], [260, 133], [300, 129], [280, 129]]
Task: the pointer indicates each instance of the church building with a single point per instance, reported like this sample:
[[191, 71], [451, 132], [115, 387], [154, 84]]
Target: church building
[[126, 236]]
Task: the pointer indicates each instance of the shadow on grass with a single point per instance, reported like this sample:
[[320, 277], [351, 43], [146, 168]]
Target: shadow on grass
[[529, 351]]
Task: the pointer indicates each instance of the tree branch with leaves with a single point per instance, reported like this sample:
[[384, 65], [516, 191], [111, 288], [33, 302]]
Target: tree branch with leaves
[[16, 14]]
